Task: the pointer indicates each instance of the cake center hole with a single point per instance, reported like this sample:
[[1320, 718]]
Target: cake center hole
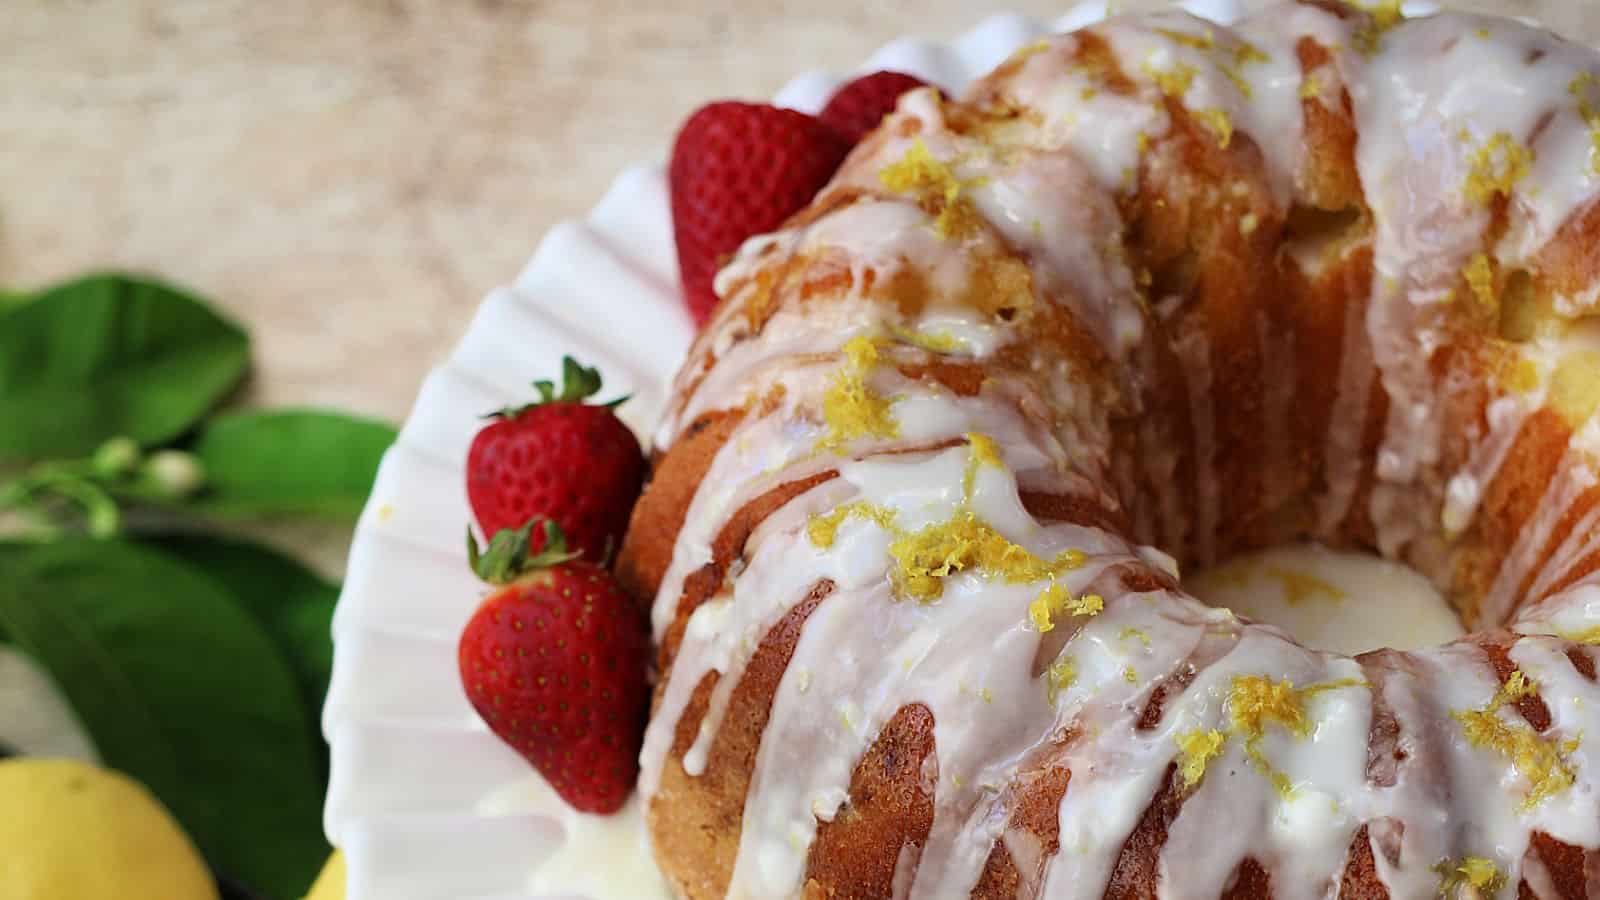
[[1331, 600]]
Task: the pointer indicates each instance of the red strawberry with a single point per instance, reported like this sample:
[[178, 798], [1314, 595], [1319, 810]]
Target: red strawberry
[[739, 170], [859, 106], [554, 662], [558, 458]]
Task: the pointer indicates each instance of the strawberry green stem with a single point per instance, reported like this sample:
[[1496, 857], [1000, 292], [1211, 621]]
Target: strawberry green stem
[[578, 383], [509, 557]]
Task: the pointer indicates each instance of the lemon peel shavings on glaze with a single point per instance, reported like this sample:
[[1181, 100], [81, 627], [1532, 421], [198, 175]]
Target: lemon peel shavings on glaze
[[1240, 83], [1202, 41], [1469, 871], [849, 407], [985, 452], [1540, 760], [1311, 87], [1244, 54], [1173, 82], [1060, 676], [1497, 166], [1384, 17], [1217, 120], [1028, 50], [984, 449], [1055, 601], [1479, 275], [823, 529], [1583, 87], [935, 185], [933, 342], [965, 541], [924, 558], [1255, 701], [1198, 748]]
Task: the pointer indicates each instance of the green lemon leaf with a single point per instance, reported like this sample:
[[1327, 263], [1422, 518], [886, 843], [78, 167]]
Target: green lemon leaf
[[290, 462], [109, 355], [180, 688], [9, 299], [291, 602]]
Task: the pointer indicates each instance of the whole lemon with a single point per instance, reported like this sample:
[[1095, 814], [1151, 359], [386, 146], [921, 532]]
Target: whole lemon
[[330, 884], [70, 831]]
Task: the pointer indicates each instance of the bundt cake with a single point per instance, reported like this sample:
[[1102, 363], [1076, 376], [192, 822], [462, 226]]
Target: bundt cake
[[1149, 295]]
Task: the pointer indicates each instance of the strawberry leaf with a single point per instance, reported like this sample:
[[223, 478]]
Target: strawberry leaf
[[508, 556], [578, 383]]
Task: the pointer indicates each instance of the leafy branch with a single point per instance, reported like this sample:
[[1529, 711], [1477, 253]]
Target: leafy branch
[[196, 664]]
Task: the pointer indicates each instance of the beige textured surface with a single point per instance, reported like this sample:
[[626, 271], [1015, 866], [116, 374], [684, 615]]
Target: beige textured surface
[[349, 178]]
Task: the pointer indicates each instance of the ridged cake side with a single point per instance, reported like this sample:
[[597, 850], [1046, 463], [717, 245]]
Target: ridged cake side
[[1154, 284]]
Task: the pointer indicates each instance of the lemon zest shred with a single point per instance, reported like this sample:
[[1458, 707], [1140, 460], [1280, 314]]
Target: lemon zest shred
[[1130, 675], [823, 529], [984, 449], [1479, 275], [1385, 15], [1311, 87], [1131, 632], [924, 558], [937, 189], [1217, 119], [1540, 760], [1027, 50], [1247, 52], [1060, 676], [1243, 85], [934, 342], [985, 452], [1255, 701], [1056, 600], [850, 408], [1173, 82], [1496, 167], [1582, 88], [1198, 747], [1203, 41], [1473, 871]]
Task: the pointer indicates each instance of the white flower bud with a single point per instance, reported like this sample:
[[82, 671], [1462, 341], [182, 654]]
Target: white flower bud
[[177, 473]]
